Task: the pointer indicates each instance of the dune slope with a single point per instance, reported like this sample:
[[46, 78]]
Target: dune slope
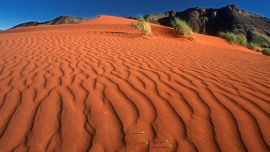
[[101, 86]]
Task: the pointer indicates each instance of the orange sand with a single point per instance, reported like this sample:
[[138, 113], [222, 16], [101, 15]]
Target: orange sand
[[100, 86]]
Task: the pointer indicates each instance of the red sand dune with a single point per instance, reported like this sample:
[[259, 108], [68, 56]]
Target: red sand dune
[[101, 86]]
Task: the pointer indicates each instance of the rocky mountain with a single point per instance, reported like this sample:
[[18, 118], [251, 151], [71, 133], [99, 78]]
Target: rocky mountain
[[58, 20], [211, 21]]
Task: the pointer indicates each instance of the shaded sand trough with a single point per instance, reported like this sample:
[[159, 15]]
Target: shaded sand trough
[[101, 86]]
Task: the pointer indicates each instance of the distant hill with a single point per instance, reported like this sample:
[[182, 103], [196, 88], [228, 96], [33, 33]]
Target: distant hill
[[211, 21], [58, 20]]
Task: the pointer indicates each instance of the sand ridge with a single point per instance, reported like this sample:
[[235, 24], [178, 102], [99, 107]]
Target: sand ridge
[[101, 86]]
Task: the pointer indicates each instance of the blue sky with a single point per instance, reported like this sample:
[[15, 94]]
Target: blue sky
[[13, 12]]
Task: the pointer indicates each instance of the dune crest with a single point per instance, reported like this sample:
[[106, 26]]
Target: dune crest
[[101, 86]]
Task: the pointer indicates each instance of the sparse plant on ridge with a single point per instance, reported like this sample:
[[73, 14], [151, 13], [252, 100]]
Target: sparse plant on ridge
[[266, 51], [182, 27], [239, 39], [143, 26], [252, 46]]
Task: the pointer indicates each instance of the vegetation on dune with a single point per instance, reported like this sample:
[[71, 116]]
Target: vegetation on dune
[[239, 39], [143, 26], [182, 27], [252, 46], [266, 51]]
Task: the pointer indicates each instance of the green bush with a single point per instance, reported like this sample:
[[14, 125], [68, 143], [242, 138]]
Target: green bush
[[234, 38], [181, 27], [252, 46], [228, 36], [266, 51], [143, 26], [242, 39]]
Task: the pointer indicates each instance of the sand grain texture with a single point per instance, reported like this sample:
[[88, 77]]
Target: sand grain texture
[[100, 86]]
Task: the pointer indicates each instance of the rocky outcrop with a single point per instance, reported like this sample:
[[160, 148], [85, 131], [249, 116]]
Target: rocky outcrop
[[211, 21], [58, 20]]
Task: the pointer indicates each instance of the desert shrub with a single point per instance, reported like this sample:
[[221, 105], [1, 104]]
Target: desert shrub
[[143, 26], [266, 51], [234, 38], [228, 36], [181, 27], [241, 39], [252, 46]]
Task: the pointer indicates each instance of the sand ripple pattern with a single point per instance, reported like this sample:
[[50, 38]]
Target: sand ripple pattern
[[102, 88]]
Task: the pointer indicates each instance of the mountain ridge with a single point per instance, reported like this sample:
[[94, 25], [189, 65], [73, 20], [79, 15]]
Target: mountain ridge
[[210, 21], [58, 20]]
